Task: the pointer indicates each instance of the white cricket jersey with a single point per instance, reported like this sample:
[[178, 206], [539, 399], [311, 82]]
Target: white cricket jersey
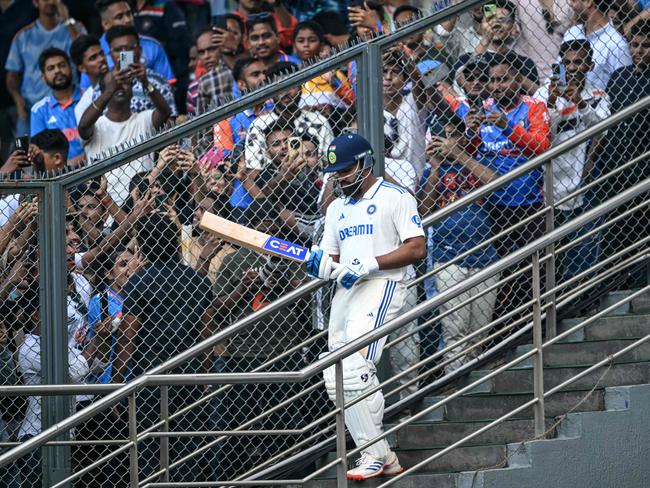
[[375, 225]]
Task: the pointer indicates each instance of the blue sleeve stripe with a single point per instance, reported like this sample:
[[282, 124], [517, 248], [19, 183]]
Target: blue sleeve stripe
[[390, 185]]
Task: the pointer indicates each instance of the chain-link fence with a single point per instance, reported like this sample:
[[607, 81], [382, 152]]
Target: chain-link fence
[[463, 102]]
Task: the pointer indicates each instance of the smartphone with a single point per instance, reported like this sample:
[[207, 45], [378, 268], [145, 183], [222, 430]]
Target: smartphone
[[559, 71], [220, 22], [295, 147], [126, 60], [186, 143], [161, 199], [489, 10], [22, 143], [477, 105]]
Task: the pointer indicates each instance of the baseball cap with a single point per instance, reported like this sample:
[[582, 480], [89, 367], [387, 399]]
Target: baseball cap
[[345, 150]]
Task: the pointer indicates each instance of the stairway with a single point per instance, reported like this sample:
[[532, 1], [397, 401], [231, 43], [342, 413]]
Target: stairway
[[490, 459]]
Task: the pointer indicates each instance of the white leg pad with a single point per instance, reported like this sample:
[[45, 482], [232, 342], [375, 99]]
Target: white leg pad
[[365, 418]]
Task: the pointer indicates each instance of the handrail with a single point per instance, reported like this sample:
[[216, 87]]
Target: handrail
[[319, 365]]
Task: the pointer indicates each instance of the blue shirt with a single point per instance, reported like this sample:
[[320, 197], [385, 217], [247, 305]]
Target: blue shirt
[[153, 55], [115, 305], [48, 113], [28, 44]]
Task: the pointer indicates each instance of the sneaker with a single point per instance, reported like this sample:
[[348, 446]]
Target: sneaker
[[368, 466], [392, 465]]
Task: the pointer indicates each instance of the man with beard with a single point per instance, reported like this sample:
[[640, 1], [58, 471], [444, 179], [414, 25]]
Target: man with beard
[[56, 110], [264, 41], [287, 106], [53, 28], [374, 232], [119, 124]]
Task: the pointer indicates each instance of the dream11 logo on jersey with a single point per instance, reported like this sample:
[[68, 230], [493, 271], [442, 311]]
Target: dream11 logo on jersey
[[286, 248]]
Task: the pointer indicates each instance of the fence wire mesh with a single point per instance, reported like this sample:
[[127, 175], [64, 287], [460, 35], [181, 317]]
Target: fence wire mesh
[[464, 102]]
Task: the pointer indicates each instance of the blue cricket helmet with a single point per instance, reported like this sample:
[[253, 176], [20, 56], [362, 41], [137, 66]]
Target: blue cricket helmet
[[346, 150]]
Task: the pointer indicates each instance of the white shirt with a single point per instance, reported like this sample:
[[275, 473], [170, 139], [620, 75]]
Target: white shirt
[[410, 142], [311, 122], [567, 120], [83, 103], [610, 52], [108, 134], [29, 363], [8, 205], [375, 225]]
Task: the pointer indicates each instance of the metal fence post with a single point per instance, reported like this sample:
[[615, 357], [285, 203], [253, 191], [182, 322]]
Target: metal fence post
[[370, 102], [133, 437], [538, 365], [164, 440], [54, 332], [341, 452], [549, 202]]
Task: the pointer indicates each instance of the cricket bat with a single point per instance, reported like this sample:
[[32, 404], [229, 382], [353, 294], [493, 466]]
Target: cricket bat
[[252, 239]]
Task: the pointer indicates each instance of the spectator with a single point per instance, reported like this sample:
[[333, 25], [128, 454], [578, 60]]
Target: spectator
[[287, 106], [29, 362], [542, 26], [264, 41], [461, 34], [119, 12], [331, 93], [120, 124], [53, 28], [334, 28], [404, 116], [610, 48], [284, 22], [231, 40], [217, 84], [204, 252], [628, 140], [249, 74], [87, 55], [500, 33], [248, 282], [56, 110], [292, 179], [11, 409], [572, 110], [193, 86], [453, 173], [472, 81], [515, 128], [47, 153], [165, 22], [13, 17], [368, 19], [162, 315]]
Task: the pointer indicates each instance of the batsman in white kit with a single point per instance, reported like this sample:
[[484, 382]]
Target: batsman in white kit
[[374, 231]]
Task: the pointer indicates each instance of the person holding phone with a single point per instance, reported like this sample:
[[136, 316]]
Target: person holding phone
[[216, 84]]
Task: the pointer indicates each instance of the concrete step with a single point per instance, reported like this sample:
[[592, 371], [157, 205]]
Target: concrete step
[[521, 380], [492, 406], [583, 353], [460, 459], [420, 480], [427, 435], [614, 327]]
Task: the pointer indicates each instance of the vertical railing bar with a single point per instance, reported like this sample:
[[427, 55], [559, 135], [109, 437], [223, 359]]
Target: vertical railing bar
[[538, 362], [164, 441], [550, 265], [370, 101], [133, 437]]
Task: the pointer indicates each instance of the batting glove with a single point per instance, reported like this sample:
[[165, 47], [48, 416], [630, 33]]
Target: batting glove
[[319, 264], [354, 271]]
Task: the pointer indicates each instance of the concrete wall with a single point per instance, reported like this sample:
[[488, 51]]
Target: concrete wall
[[609, 449]]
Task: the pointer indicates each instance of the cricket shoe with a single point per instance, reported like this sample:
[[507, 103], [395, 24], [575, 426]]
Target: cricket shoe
[[392, 465], [368, 466]]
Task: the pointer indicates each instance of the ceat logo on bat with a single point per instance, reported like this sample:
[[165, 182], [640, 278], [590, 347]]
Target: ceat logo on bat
[[286, 248]]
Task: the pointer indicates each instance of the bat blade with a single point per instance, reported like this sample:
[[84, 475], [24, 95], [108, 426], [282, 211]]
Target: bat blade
[[252, 239]]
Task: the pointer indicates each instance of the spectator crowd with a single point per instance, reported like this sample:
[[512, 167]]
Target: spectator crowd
[[464, 103]]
